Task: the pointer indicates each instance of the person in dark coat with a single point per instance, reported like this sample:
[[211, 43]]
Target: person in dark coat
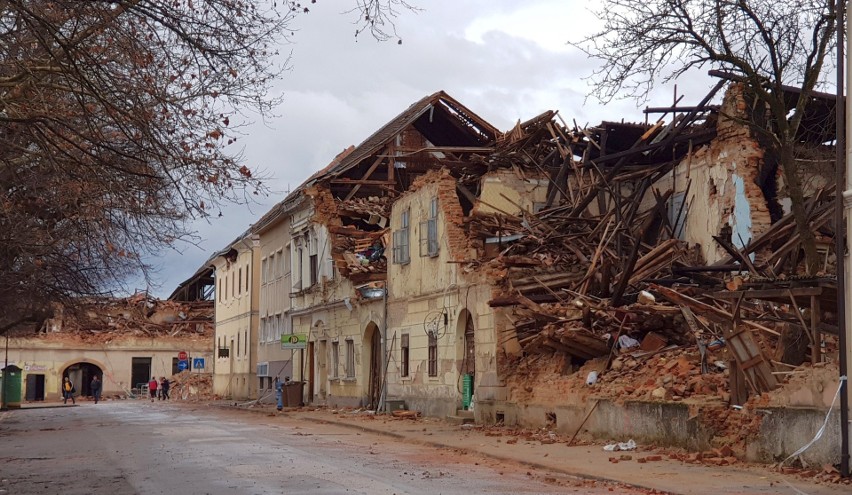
[[96, 386], [164, 388]]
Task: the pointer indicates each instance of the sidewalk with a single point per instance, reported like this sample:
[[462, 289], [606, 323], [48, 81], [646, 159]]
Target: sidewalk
[[643, 468]]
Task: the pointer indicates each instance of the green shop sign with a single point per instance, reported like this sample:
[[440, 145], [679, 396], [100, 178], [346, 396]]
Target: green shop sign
[[294, 341]]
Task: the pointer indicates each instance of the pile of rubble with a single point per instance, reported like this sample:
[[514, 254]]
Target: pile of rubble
[[193, 386], [140, 315], [598, 274]]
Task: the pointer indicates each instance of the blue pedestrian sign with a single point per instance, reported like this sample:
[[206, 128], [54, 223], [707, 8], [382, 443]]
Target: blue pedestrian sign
[[183, 365], [198, 363]]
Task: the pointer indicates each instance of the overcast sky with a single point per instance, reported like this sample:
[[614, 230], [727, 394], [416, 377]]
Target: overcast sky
[[505, 60]]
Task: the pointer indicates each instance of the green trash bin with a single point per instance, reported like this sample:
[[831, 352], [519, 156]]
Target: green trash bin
[[467, 390], [12, 380]]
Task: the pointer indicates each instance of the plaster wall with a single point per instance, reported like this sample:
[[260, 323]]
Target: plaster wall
[[237, 308], [275, 287], [434, 293], [504, 191], [330, 324], [719, 183], [51, 359]]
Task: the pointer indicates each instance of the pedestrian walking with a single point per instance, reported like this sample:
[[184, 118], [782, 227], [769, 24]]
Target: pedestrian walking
[[96, 386], [152, 387], [164, 388], [68, 391]]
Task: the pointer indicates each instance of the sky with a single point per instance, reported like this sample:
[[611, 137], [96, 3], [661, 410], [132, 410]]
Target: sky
[[505, 60]]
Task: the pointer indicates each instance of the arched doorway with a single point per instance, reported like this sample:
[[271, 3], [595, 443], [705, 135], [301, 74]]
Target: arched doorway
[[373, 347], [81, 375], [467, 355]]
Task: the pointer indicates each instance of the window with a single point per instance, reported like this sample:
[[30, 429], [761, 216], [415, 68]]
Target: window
[[224, 352], [313, 258], [335, 359], [283, 262], [279, 322], [404, 353], [433, 353], [677, 214], [232, 284], [429, 231], [314, 269], [400, 240], [247, 277], [264, 266], [297, 269], [287, 262], [226, 287], [350, 358], [262, 370], [239, 337], [240, 282]]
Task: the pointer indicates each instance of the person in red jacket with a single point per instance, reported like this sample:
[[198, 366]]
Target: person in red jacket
[[152, 387]]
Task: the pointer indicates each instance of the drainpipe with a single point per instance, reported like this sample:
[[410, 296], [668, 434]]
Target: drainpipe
[[844, 276], [5, 375], [382, 405]]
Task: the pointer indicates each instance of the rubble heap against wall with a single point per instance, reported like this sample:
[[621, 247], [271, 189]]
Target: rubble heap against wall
[[599, 277]]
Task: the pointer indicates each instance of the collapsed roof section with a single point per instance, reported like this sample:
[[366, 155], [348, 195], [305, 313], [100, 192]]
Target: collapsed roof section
[[354, 193], [109, 319]]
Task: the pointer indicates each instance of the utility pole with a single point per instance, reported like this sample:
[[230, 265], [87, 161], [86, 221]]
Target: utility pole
[[841, 242]]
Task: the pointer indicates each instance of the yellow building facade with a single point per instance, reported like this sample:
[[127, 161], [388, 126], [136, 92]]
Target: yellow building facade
[[237, 278]]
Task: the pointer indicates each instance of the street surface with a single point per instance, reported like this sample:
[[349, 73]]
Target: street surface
[[139, 447]]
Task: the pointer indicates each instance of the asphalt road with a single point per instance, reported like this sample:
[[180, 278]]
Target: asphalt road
[[139, 447]]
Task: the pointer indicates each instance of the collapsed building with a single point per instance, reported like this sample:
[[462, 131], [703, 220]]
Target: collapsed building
[[562, 277], [124, 341]]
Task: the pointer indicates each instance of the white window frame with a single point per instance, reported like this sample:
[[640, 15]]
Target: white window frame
[[335, 359], [401, 239], [350, 359]]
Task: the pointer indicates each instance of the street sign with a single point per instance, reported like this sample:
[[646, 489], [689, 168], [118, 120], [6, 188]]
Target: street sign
[[183, 365], [198, 363], [294, 341], [182, 356]]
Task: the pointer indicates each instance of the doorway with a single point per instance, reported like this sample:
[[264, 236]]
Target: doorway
[[81, 375], [140, 373], [466, 354], [35, 387], [374, 344]]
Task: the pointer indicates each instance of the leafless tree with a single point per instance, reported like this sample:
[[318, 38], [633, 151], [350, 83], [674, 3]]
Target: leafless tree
[[115, 129], [766, 44]]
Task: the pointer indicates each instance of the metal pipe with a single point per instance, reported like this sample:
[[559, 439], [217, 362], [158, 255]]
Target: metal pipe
[[844, 199], [3, 401], [382, 405]]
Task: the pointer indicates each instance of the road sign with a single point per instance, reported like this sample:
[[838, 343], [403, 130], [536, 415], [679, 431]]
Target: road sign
[[198, 363], [294, 341], [182, 356], [183, 365]]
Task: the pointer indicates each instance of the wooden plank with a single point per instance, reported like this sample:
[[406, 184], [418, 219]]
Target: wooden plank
[[367, 175], [816, 316], [767, 293], [715, 314]]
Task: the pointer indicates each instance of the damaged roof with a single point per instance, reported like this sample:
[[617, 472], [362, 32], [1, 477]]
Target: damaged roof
[[431, 116]]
